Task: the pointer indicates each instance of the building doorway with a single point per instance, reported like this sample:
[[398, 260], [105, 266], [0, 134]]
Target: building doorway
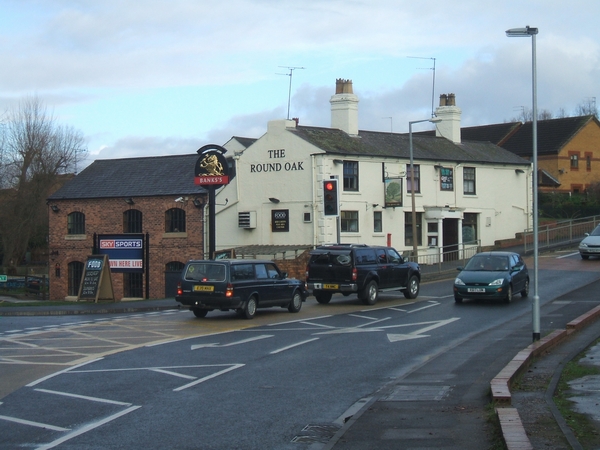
[[450, 236]]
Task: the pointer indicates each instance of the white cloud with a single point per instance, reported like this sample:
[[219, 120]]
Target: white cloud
[[152, 77]]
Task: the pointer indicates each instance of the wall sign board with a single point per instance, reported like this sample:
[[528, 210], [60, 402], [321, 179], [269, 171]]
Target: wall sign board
[[280, 220], [125, 251]]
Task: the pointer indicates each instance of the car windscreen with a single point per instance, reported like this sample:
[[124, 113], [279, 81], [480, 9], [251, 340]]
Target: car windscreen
[[343, 258], [487, 263], [596, 231], [205, 272]]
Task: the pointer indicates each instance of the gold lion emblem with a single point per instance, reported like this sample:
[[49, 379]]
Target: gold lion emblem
[[212, 166]]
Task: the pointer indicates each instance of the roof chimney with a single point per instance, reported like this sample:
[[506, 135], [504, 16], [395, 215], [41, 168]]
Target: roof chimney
[[450, 114], [344, 107]]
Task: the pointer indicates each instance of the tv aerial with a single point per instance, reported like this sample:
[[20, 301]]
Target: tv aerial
[[291, 69], [433, 87]]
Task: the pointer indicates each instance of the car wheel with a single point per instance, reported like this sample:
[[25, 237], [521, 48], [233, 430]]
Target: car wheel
[[525, 291], [296, 303], [457, 299], [509, 294], [249, 310], [370, 293], [412, 290], [585, 256], [199, 312], [323, 297]]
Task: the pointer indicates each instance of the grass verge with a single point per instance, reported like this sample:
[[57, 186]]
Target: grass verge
[[582, 426]]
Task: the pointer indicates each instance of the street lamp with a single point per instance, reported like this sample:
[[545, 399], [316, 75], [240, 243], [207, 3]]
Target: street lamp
[[412, 184], [527, 32]]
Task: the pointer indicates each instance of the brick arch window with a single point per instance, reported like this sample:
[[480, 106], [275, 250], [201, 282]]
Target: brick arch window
[[174, 266], [175, 220], [75, 271], [76, 223], [132, 221]]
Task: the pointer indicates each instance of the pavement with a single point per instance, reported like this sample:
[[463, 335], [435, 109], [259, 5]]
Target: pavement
[[447, 414]]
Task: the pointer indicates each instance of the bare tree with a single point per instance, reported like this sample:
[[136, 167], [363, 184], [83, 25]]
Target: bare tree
[[587, 107], [34, 152], [526, 115]]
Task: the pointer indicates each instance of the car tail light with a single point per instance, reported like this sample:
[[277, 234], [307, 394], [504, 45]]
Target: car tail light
[[229, 290], [354, 274], [306, 273], [179, 290]]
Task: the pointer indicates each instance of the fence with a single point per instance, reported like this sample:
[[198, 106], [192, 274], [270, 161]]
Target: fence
[[36, 285], [435, 261], [556, 234]]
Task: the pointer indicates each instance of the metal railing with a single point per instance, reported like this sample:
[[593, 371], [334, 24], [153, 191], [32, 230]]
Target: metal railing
[[435, 261], [556, 234]]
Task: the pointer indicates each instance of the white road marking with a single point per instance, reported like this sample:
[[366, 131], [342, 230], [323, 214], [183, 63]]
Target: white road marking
[[292, 346], [84, 397], [296, 321], [33, 424], [566, 256], [363, 317], [418, 333], [202, 380], [60, 372], [243, 341], [175, 374], [87, 428], [424, 307]]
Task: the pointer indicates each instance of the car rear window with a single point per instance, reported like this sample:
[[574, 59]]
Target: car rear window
[[205, 272], [343, 258], [366, 256], [241, 272]]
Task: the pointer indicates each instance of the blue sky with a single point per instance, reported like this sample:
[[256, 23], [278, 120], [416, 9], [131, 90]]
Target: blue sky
[[156, 77]]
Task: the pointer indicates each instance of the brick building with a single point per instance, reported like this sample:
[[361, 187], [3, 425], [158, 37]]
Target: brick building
[[153, 196]]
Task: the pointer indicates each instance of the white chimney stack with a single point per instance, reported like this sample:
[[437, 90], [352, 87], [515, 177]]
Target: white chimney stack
[[450, 114], [344, 107]]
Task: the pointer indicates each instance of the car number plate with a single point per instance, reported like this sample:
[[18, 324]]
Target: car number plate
[[331, 286], [200, 288], [476, 290]]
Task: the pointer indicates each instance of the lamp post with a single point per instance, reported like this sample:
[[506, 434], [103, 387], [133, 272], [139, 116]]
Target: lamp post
[[527, 32], [412, 184]]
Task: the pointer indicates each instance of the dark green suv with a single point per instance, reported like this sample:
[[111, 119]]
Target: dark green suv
[[239, 284], [360, 269]]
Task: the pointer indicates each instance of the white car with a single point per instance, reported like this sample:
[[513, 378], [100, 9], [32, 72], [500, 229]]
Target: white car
[[590, 246]]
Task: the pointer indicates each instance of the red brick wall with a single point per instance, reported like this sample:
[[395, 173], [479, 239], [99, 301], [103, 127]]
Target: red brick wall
[[296, 268], [105, 216]]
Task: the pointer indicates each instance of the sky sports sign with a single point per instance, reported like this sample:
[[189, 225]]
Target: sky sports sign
[[125, 251]]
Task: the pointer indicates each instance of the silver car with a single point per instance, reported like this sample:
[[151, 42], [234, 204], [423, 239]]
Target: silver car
[[590, 246]]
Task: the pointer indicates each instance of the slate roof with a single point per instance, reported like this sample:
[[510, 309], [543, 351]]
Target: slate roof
[[385, 144], [245, 141], [517, 137], [552, 135], [495, 133], [133, 177]]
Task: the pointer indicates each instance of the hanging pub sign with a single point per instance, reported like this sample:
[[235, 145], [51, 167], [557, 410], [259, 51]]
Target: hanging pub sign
[[211, 167]]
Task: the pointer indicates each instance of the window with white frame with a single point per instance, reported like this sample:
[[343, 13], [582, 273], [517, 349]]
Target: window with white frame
[[349, 221], [469, 181]]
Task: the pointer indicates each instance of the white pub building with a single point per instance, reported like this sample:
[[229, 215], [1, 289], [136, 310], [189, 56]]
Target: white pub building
[[466, 193]]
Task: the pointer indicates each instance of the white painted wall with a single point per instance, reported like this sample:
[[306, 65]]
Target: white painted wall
[[280, 165]]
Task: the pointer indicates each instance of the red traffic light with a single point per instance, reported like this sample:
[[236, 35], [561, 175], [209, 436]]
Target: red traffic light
[[330, 198]]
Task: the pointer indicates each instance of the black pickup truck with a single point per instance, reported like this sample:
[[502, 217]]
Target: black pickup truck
[[360, 269]]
